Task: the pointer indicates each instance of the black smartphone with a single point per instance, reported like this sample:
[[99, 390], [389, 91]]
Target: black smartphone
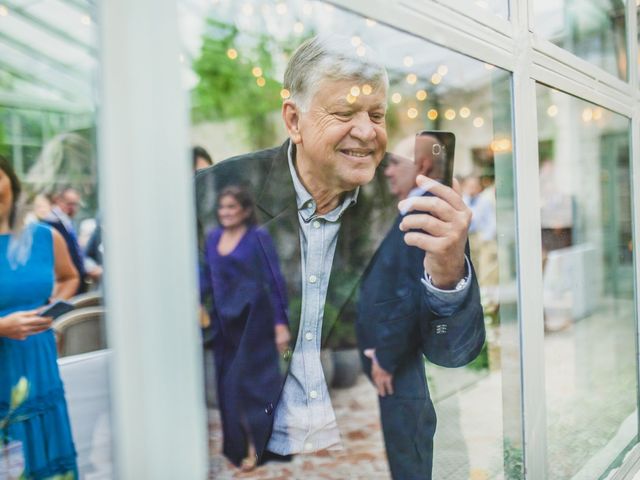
[[436, 150], [56, 309]]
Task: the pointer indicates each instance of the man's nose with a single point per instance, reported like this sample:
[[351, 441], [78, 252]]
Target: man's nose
[[363, 128]]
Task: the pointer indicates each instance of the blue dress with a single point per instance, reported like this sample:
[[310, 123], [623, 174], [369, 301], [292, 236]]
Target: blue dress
[[43, 422]]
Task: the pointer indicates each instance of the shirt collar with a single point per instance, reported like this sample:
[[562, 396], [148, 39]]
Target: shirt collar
[[305, 202], [64, 218]]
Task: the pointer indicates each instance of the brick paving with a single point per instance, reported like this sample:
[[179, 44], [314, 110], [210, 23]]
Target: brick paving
[[363, 456]]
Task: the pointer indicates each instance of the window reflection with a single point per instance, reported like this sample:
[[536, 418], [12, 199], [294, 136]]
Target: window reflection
[[587, 283], [237, 93], [593, 31]]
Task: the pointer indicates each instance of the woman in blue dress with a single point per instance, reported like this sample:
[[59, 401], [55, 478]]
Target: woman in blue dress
[[35, 269], [240, 268]]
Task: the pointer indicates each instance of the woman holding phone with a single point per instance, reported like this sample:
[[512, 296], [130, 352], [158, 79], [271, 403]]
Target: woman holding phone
[[35, 269]]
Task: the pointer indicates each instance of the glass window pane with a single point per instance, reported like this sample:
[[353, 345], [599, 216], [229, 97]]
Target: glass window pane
[[497, 7], [592, 30], [588, 285], [239, 56], [48, 132]]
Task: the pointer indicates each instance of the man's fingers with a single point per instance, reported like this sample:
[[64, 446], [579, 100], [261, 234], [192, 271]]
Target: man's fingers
[[427, 223], [440, 190], [434, 205], [389, 385], [425, 242]]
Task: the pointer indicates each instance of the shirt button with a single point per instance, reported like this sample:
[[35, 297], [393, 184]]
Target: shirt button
[[287, 354], [308, 336], [316, 224], [313, 279], [308, 446], [313, 394]]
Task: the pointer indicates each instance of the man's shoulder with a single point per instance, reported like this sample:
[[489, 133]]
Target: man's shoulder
[[240, 165]]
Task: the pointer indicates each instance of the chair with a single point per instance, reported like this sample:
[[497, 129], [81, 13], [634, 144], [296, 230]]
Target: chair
[[80, 331], [89, 299]]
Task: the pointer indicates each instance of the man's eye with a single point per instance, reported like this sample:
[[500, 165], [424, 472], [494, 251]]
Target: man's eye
[[343, 114], [377, 117]]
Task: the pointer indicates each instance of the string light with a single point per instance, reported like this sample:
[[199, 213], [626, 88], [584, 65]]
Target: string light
[[412, 113], [443, 70], [421, 95], [396, 98], [552, 111], [232, 53], [408, 61], [256, 71], [450, 114], [412, 78], [298, 27], [261, 81], [356, 41], [465, 112], [355, 91], [284, 93], [367, 89], [436, 78], [478, 122]]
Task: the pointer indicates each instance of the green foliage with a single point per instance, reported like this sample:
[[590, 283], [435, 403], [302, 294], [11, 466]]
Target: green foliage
[[481, 362], [228, 87], [513, 461]]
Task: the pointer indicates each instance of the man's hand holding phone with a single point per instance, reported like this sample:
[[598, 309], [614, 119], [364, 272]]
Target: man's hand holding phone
[[438, 224], [20, 325]]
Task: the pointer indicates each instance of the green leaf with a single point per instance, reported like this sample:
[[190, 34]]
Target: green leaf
[[19, 393]]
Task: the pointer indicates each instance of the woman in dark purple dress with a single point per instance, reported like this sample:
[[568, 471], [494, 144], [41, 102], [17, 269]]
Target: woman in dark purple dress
[[240, 273]]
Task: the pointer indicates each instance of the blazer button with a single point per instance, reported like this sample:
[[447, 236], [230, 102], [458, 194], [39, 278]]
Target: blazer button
[[269, 409], [287, 355]]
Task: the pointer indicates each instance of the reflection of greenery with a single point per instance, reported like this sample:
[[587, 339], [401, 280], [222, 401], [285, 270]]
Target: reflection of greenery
[[481, 362], [513, 464], [228, 87]]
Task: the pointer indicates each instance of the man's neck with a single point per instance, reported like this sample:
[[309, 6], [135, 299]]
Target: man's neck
[[326, 198]]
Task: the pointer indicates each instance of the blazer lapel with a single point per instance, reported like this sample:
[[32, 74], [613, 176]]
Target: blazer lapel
[[277, 205]]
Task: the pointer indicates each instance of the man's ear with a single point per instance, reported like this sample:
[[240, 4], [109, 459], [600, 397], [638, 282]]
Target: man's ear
[[291, 117]]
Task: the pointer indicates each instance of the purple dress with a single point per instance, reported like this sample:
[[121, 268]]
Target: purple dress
[[249, 378]]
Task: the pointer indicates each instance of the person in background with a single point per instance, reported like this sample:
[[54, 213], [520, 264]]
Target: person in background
[[482, 231], [201, 158], [35, 269], [65, 206], [240, 268]]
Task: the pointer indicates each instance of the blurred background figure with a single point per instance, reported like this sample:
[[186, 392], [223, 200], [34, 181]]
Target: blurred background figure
[[66, 204], [482, 231], [240, 268], [35, 269], [201, 159]]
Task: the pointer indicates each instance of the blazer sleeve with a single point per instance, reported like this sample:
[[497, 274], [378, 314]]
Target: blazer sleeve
[[448, 341], [454, 340]]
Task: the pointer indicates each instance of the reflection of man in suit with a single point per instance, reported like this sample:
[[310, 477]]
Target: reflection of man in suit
[[392, 338], [309, 195]]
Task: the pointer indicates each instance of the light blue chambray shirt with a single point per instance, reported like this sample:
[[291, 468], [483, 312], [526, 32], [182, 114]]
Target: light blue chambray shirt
[[304, 417]]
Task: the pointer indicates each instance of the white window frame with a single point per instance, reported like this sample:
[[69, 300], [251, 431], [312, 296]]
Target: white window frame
[[513, 45], [159, 420]]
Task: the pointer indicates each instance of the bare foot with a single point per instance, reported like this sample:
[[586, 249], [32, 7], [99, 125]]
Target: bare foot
[[250, 462]]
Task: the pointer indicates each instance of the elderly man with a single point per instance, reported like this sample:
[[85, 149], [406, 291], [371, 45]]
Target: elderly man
[[310, 198]]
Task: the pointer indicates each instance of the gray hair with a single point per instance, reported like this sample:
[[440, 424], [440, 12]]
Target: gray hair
[[330, 57]]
